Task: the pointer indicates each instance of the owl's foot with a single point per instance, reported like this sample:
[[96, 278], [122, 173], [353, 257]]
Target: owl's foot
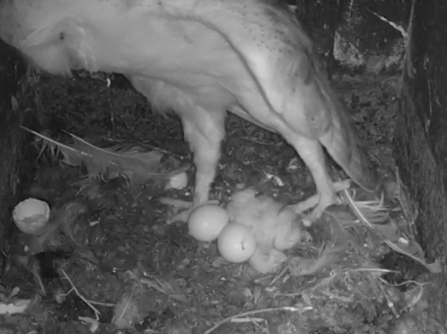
[[320, 202]]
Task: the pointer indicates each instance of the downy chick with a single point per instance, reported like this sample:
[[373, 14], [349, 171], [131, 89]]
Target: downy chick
[[275, 230], [272, 227]]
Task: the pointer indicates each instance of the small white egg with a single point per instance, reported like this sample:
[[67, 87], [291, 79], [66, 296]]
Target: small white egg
[[178, 181], [206, 222], [31, 216], [236, 242]]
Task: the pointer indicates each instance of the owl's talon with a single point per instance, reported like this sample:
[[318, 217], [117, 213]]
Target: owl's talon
[[320, 202], [180, 210], [181, 217]]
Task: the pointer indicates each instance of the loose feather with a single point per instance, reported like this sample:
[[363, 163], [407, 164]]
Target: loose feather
[[132, 162]]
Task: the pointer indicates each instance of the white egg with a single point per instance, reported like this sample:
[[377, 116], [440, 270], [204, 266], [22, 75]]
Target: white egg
[[206, 222], [178, 181], [31, 215], [236, 242]]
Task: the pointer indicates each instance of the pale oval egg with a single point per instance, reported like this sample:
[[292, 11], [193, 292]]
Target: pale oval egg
[[31, 215], [178, 181], [236, 242], [206, 222]]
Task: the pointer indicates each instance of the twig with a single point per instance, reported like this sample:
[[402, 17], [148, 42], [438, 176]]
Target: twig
[[126, 307], [35, 270], [101, 303], [389, 302], [249, 313], [281, 274], [419, 286], [399, 28], [260, 142], [379, 270], [432, 267], [88, 303]]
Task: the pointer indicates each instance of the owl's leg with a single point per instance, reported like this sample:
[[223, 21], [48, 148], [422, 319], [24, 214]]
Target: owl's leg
[[313, 156], [203, 128], [204, 131]]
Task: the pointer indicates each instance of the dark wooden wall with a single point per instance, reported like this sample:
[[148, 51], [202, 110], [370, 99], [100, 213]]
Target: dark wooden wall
[[421, 136], [16, 157]]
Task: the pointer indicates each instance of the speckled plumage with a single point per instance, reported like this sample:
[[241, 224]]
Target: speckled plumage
[[202, 58]]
